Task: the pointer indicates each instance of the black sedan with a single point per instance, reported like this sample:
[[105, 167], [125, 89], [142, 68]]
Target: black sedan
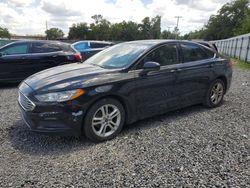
[[21, 59], [122, 84]]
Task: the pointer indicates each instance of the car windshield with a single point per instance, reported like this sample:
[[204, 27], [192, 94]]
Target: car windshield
[[118, 56]]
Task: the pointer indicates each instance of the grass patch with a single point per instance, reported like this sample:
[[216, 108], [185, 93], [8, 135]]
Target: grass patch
[[241, 64]]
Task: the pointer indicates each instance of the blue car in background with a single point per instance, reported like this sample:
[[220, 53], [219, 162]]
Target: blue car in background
[[89, 48]]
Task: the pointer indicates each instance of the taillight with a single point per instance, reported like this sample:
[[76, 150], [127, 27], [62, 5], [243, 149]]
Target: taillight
[[78, 56]]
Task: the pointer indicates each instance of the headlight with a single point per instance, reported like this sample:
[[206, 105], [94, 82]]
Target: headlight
[[60, 96]]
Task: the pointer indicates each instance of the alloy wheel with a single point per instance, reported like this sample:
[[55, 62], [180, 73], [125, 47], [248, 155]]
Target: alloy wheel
[[216, 94], [106, 120]]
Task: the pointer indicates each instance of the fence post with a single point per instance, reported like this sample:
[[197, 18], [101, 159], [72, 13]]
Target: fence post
[[230, 48], [224, 46], [228, 43], [235, 46], [241, 47], [247, 52]]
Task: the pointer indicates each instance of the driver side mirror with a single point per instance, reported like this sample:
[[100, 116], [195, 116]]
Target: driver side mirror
[[150, 66], [1, 54]]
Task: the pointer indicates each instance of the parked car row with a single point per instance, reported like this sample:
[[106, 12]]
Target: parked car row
[[21, 59], [122, 84]]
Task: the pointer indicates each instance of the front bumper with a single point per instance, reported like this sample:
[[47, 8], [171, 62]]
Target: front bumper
[[59, 120]]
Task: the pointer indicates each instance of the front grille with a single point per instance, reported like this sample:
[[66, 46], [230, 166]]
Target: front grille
[[25, 102]]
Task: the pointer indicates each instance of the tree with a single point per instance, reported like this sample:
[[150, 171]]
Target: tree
[[145, 28], [245, 24], [150, 29], [167, 35], [156, 27], [78, 31], [116, 32], [97, 18], [54, 33], [130, 31], [4, 33], [101, 28], [230, 20]]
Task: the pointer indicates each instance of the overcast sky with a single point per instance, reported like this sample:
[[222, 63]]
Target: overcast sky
[[29, 16]]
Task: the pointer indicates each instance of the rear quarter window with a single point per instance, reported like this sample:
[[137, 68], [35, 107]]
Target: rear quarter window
[[209, 53], [67, 48], [81, 46], [99, 45]]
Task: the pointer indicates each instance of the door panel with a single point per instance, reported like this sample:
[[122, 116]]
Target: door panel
[[192, 82], [46, 60], [15, 65], [156, 91], [193, 75]]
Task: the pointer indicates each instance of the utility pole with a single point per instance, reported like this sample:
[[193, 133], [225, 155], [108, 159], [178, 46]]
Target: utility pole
[[46, 25], [177, 25], [178, 18]]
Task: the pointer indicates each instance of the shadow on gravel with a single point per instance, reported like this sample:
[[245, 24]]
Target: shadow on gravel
[[38, 144], [166, 118], [24, 140], [8, 85]]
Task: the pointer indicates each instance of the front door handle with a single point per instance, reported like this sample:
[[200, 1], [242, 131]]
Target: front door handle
[[173, 70], [178, 70]]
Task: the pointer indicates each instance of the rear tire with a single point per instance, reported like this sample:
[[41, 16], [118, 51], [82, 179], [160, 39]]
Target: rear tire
[[215, 94], [104, 120]]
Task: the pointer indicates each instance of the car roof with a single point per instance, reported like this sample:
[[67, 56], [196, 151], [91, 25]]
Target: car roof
[[39, 41], [97, 41], [155, 42]]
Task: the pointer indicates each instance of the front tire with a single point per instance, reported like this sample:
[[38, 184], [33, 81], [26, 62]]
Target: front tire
[[104, 120], [215, 94]]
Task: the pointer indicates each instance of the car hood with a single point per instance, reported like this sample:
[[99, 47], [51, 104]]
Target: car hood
[[71, 76]]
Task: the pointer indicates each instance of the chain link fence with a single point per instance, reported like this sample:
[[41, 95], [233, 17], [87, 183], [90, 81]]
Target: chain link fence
[[237, 47]]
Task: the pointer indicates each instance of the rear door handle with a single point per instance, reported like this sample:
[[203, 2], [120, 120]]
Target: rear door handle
[[173, 70], [178, 70]]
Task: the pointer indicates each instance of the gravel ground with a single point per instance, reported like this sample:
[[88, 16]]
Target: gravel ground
[[192, 147]]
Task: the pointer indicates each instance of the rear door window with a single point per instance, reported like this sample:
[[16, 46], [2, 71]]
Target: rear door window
[[16, 49], [45, 48], [193, 52]]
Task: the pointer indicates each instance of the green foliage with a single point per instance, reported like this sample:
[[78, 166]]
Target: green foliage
[[150, 29], [4, 33], [231, 20], [102, 29], [78, 31], [54, 33], [245, 24], [168, 35], [241, 64]]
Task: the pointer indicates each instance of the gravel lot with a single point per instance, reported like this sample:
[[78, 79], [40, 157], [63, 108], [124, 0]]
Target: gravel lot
[[192, 147]]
